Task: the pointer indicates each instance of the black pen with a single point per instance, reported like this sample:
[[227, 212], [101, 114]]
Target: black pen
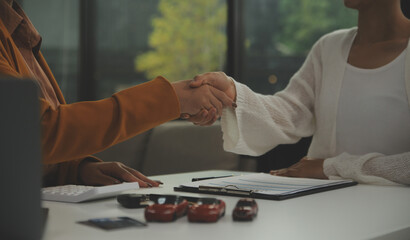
[[207, 178]]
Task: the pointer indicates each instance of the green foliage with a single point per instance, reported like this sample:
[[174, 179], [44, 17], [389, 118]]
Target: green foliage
[[188, 38], [305, 21]]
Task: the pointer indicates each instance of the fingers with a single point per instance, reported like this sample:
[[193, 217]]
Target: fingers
[[215, 79], [223, 98], [204, 117], [197, 82], [141, 176], [286, 172], [122, 173], [209, 119], [100, 179], [185, 116], [292, 171], [217, 104], [193, 100], [108, 173], [218, 80], [90, 174], [205, 78], [279, 172], [214, 98], [305, 168], [219, 100], [198, 117], [273, 172], [118, 171]]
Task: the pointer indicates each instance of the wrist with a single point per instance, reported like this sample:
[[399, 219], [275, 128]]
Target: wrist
[[231, 92], [232, 89], [179, 91], [86, 161]]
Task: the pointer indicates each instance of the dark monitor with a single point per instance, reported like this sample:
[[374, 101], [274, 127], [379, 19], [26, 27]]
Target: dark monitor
[[21, 216]]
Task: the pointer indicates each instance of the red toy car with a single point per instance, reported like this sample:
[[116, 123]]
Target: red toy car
[[206, 210], [166, 208], [245, 210]]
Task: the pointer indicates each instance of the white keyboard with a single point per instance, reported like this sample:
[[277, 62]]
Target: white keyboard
[[80, 193]]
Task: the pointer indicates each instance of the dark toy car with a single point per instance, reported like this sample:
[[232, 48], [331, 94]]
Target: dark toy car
[[206, 210], [245, 210], [166, 208], [132, 200]]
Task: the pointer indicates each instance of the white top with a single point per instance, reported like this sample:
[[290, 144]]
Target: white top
[[374, 115], [309, 106]]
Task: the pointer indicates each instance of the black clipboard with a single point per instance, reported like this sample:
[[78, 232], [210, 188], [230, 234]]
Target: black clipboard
[[231, 190]]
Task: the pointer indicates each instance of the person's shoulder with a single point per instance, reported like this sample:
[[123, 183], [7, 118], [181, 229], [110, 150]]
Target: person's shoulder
[[337, 38], [338, 35], [334, 43]]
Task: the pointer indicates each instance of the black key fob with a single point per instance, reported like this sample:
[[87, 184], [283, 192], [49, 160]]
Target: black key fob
[[133, 200]]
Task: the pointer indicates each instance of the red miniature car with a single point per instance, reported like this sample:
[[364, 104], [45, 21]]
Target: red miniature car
[[245, 210], [166, 208], [206, 210]]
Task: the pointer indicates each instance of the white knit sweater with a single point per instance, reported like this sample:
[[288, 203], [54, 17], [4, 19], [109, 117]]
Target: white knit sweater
[[308, 106]]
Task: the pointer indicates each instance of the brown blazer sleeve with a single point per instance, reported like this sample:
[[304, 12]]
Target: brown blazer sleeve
[[77, 130], [72, 132]]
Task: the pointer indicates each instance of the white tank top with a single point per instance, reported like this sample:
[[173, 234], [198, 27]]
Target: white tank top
[[374, 113]]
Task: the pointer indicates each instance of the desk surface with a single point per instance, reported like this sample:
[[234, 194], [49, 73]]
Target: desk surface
[[358, 212]]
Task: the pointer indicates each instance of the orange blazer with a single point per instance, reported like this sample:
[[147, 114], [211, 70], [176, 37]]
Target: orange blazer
[[72, 132]]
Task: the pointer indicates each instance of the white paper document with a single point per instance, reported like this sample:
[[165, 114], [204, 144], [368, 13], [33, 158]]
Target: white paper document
[[264, 184]]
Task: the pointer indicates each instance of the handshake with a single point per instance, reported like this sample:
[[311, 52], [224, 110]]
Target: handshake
[[202, 99]]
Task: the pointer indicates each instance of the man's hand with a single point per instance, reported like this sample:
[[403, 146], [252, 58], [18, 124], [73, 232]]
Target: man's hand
[[203, 118], [108, 173], [218, 80], [193, 100], [312, 168]]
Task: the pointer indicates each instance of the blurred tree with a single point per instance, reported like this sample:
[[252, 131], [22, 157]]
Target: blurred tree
[[187, 38], [303, 22]]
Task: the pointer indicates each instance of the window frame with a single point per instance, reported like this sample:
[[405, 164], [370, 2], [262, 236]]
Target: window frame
[[87, 83]]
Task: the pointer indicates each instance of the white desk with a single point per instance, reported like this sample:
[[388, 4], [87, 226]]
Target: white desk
[[358, 212]]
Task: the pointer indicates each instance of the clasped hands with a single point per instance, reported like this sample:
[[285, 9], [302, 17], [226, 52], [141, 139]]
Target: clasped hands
[[203, 98]]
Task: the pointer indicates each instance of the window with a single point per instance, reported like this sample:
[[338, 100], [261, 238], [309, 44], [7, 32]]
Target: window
[[138, 40], [126, 42], [278, 34]]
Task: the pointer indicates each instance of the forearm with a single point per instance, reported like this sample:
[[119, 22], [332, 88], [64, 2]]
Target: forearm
[[372, 168], [394, 168], [77, 130], [65, 172], [261, 122]]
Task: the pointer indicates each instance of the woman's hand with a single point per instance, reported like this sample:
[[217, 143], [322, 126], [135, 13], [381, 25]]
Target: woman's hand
[[193, 100], [218, 80], [305, 168], [108, 173]]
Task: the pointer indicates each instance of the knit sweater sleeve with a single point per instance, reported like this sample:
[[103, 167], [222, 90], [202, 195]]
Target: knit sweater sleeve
[[261, 122], [372, 168]]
